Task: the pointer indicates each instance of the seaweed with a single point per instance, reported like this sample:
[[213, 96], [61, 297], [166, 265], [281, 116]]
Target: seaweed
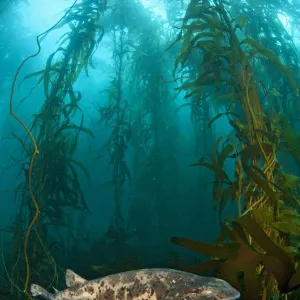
[[266, 194], [117, 112], [52, 177]]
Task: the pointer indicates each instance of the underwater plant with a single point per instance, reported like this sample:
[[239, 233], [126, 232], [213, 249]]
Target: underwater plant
[[154, 137], [249, 69], [254, 266], [116, 113], [274, 35], [52, 182], [266, 194]]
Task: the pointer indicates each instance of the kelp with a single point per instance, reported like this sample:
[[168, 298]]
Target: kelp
[[52, 176], [55, 116], [240, 78], [117, 111], [265, 192], [271, 33], [242, 261], [154, 134]]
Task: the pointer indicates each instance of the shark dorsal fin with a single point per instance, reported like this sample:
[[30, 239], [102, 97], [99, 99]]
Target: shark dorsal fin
[[73, 279]]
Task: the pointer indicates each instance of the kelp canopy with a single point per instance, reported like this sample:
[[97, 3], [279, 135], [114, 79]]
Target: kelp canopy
[[231, 64]]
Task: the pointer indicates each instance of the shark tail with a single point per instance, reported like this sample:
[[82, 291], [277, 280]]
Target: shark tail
[[37, 290]]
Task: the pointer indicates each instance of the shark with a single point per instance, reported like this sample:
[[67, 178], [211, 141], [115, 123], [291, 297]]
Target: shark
[[143, 284]]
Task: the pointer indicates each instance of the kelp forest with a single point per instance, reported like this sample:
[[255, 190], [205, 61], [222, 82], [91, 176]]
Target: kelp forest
[[142, 134]]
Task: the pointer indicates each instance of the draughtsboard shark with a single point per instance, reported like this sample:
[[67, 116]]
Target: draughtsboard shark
[[144, 284]]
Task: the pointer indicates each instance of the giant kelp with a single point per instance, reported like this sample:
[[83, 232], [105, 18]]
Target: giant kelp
[[223, 59], [265, 192], [154, 138], [51, 180], [247, 264], [116, 113], [273, 35]]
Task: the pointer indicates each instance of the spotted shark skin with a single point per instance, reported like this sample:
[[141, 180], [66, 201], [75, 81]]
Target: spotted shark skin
[[144, 284]]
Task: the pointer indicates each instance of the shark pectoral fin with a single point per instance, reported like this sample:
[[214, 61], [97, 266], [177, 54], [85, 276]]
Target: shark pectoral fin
[[37, 290], [73, 279]]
